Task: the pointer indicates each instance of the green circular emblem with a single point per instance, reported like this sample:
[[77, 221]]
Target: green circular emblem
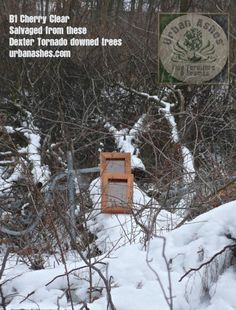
[[193, 48]]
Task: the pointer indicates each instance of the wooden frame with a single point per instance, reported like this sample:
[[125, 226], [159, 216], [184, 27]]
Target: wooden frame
[[116, 178], [115, 172], [105, 157]]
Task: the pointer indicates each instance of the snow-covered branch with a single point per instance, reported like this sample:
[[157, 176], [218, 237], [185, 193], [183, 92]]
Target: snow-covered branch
[[125, 139]]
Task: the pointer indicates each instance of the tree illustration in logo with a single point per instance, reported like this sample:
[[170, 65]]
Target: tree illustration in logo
[[191, 49], [193, 42]]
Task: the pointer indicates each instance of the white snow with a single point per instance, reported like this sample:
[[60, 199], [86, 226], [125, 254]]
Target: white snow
[[187, 247], [6, 183], [144, 274], [171, 120], [189, 171], [116, 230], [40, 172], [125, 139], [134, 272], [188, 164]]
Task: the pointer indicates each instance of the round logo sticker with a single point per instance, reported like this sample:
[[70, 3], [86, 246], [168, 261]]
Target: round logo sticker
[[193, 48]]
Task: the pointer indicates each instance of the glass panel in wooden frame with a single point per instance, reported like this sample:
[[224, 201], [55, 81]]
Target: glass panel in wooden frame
[[117, 193], [115, 162]]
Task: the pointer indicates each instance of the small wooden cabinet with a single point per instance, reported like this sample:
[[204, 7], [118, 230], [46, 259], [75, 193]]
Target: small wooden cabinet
[[116, 182]]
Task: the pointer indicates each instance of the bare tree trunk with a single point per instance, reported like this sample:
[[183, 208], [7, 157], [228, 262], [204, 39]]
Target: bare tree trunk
[[132, 8], [71, 192], [42, 5], [119, 7], [47, 8], [184, 5], [140, 6]]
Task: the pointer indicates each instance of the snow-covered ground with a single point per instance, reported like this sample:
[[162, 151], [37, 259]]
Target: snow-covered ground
[[116, 230], [141, 278]]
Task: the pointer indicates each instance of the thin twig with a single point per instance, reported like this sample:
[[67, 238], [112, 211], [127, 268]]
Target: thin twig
[[230, 246], [1, 274]]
